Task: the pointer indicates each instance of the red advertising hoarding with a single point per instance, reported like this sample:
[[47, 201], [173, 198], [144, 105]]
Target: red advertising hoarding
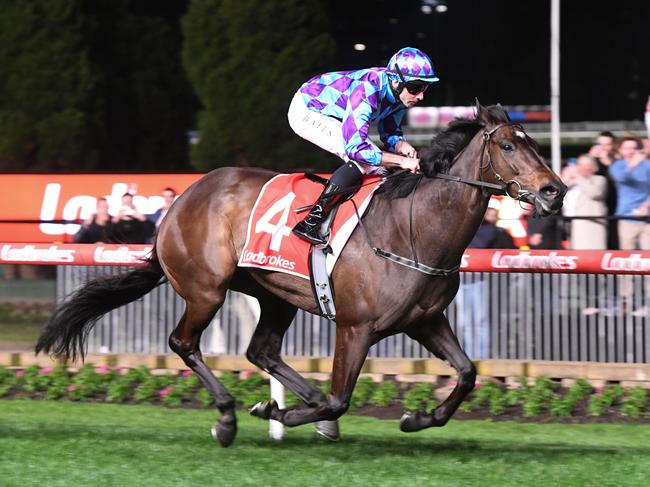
[[473, 260], [72, 197]]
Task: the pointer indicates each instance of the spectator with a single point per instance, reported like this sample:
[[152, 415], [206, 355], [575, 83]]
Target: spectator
[[632, 176], [489, 235], [587, 198], [168, 195], [568, 175], [97, 227], [604, 150], [543, 233], [129, 225], [156, 218], [473, 292]]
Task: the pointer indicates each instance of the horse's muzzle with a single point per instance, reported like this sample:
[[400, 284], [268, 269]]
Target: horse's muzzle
[[549, 198]]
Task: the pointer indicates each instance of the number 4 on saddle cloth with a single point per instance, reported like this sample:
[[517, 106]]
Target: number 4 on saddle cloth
[[271, 245]]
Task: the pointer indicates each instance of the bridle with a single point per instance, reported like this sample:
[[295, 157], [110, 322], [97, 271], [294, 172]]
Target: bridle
[[505, 185]]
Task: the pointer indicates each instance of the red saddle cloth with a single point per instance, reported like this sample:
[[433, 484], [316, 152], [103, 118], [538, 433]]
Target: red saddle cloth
[[270, 244]]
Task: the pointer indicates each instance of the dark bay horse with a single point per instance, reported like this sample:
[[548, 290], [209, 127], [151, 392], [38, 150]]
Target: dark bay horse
[[200, 240]]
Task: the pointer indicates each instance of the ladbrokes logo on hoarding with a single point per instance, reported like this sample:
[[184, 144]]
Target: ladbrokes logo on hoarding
[[525, 260], [120, 255], [79, 254], [633, 263], [74, 197], [30, 253]]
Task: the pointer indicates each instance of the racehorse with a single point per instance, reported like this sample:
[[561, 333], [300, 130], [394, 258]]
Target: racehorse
[[200, 240]]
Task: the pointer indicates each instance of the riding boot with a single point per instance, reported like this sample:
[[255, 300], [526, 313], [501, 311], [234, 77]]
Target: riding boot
[[347, 177], [309, 228]]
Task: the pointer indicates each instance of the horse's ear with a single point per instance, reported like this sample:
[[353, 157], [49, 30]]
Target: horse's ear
[[505, 112], [479, 108], [482, 113]]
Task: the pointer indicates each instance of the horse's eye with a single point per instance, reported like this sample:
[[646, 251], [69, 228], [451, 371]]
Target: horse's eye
[[507, 147]]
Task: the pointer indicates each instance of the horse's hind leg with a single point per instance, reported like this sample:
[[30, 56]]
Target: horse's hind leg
[[438, 338], [264, 351], [184, 340]]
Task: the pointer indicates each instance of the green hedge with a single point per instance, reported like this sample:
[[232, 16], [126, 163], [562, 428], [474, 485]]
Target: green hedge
[[107, 384]]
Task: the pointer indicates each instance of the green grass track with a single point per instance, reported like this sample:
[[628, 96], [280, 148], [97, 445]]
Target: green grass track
[[45, 443]]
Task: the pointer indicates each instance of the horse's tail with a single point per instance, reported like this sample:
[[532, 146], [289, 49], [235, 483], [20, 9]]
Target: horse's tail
[[66, 331]]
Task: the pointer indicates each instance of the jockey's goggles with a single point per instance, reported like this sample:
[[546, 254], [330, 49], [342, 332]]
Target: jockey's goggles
[[416, 87]]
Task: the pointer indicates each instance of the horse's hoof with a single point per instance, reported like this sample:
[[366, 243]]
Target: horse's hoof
[[411, 422], [328, 430], [225, 431], [263, 409]]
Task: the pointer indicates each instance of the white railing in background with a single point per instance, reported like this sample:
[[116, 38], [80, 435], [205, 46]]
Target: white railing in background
[[532, 316], [512, 304]]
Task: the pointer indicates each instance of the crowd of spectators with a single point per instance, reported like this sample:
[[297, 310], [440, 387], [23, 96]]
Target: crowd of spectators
[[607, 205], [608, 202], [128, 225]]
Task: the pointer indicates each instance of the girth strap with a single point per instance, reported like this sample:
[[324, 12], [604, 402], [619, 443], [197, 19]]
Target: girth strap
[[404, 261], [411, 264]]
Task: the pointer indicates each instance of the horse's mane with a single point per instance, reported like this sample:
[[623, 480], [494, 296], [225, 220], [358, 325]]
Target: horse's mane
[[444, 147]]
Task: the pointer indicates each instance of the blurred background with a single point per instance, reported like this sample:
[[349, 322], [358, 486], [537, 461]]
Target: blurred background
[[148, 86]]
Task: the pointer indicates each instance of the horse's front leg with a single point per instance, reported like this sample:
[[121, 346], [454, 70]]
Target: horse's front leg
[[352, 344], [439, 339], [264, 351]]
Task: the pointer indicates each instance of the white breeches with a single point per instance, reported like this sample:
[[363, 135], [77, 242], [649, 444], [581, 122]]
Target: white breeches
[[324, 131]]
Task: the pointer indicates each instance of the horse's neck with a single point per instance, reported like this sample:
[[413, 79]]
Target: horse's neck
[[456, 210]]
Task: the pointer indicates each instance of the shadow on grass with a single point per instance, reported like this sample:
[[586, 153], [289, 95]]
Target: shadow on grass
[[353, 445], [373, 447]]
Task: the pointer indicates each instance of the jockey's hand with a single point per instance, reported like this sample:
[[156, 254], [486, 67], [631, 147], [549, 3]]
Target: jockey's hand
[[410, 163], [406, 149], [390, 159]]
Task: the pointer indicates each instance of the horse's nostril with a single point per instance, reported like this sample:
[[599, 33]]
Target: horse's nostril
[[549, 191]]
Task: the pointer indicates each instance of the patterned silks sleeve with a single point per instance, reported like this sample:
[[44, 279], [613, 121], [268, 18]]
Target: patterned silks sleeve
[[390, 129], [363, 101]]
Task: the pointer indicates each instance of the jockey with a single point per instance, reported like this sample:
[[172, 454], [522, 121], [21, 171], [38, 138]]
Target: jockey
[[334, 111]]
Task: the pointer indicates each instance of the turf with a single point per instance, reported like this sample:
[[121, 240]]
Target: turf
[[63, 443]]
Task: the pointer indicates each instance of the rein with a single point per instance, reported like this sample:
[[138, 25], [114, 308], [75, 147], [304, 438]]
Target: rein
[[503, 187]]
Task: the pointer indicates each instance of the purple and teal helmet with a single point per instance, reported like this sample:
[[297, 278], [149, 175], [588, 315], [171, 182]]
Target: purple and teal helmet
[[411, 64]]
